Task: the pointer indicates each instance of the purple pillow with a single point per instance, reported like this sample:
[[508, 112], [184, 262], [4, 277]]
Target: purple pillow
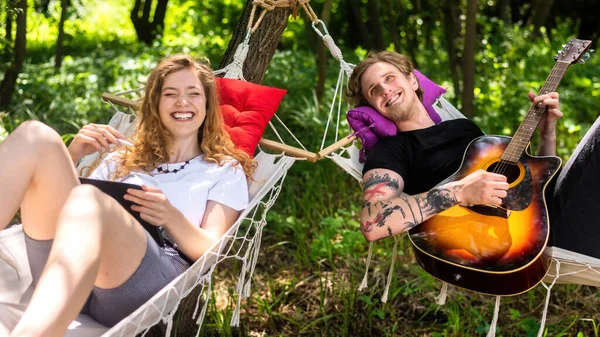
[[369, 125], [431, 92]]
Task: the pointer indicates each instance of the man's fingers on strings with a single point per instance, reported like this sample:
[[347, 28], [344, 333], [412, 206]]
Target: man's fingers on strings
[[496, 177], [496, 201], [500, 194]]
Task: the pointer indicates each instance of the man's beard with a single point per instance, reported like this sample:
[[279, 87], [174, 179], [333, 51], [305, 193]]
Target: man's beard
[[403, 112]]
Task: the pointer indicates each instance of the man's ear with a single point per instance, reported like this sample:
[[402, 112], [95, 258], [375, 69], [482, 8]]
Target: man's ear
[[414, 82]]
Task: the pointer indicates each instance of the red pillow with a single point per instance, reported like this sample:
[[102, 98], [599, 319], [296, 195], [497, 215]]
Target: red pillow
[[247, 108]]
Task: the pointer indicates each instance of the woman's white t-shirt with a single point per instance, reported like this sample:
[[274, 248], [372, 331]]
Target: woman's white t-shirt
[[189, 188]]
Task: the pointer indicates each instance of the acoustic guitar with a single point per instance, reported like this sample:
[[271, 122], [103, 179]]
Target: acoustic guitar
[[498, 250]]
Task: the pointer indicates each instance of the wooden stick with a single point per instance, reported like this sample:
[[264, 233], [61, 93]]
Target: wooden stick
[[266, 143], [288, 150], [120, 100], [335, 146]]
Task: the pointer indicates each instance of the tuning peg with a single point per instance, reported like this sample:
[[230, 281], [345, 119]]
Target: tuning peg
[[581, 61]]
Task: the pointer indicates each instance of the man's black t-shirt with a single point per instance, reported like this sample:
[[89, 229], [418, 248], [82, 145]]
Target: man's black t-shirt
[[425, 157]]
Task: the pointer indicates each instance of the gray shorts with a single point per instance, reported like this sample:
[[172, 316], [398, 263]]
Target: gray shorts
[[109, 306]]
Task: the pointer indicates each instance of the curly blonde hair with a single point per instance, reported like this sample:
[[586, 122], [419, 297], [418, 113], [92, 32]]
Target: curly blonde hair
[[402, 62], [151, 138]]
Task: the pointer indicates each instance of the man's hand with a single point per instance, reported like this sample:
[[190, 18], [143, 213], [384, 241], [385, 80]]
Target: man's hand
[[548, 123], [154, 206], [481, 188], [547, 126]]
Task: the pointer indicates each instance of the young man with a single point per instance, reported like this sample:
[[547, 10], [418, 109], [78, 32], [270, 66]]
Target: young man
[[402, 173]]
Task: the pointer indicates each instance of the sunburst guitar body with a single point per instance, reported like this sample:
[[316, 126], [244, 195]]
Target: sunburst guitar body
[[498, 250], [491, 249]]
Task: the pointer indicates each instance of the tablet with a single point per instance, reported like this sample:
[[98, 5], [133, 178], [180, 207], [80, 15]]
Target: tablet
[[117, 190]]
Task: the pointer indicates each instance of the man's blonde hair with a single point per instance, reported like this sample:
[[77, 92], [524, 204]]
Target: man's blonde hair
[[400, 61]]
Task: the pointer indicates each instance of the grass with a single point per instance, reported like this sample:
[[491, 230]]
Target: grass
[[324, 301]]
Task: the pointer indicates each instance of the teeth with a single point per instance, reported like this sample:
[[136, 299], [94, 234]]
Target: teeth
[[393, 100], [183, 115]]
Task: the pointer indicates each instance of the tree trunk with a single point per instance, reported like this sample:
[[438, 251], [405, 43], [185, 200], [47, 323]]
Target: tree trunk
[[428, 15], [145, 29], [393, 25], [451, 33], [375, 24], [7, 87], [263, 42], [504, 12], [469, 60], [365, 40], [64, 4], [412, 41], [41, 6], [322, 53], [9, 26], [539, 15]]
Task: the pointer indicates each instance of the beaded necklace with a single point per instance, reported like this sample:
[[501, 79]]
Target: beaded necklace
[[162, 170]]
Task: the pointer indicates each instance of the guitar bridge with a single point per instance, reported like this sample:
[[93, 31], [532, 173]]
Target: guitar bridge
[[490, 210]]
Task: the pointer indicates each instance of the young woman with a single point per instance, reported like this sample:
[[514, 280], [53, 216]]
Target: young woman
[[86, 252]]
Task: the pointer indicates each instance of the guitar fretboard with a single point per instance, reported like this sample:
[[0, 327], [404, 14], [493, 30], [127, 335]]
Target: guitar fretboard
[[521, 139]]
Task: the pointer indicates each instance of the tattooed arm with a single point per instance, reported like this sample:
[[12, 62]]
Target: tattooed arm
[[387, 211]]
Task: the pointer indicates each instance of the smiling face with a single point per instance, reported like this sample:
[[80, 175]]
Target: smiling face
[[182, 105], [390, 91]]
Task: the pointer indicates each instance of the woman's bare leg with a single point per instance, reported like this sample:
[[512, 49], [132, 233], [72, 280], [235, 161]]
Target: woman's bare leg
[[36, 174], [95, 240]]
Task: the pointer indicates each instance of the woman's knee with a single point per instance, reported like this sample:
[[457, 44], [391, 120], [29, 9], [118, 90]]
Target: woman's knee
[[83, 203], [87, 204], [37, 135]]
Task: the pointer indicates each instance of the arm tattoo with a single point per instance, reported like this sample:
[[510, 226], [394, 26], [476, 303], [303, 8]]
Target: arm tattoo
[[411, 224], [409, 207], [439, 199], [367, 204], [420, 204], [380, 219], [376, 182], [387, 204], [435, 201]]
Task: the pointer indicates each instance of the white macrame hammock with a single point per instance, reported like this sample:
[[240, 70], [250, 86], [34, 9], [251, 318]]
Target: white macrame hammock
[[242, 242], [566, 266]]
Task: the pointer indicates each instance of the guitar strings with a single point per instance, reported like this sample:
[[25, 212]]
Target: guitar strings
[[532, 120]]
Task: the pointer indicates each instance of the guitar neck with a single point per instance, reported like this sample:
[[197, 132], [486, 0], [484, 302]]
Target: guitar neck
[[521, 139]]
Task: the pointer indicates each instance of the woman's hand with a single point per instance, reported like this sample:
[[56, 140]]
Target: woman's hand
[[92, 138], [154, 206]]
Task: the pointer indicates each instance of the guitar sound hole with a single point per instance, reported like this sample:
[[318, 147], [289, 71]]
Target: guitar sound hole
[[511, 171]]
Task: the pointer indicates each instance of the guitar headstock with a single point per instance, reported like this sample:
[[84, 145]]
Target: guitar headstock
[[574, 51]]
